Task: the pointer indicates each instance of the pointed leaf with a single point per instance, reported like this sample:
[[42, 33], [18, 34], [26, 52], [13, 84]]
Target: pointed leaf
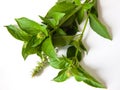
[[18, 33], [77, 74], [57, 16], [62, 76], [30, 26], [98, 27], [61, 7], [48, 49], [28, 48], [53, 19], [90, 80], [38, 39], [58, 64]]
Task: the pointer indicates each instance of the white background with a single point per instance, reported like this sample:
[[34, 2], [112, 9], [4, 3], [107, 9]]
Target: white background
[[102, 60]]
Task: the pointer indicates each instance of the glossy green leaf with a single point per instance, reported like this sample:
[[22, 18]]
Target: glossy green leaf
[[48, 49], [61, 7], [61, 63], [30, 26], [53, 19], [98, 27], [18, 33], [57, 17], [59, 41], [90, 80], [62, 76], [37, 40], [28, 49], [77, 74], [94, 83]]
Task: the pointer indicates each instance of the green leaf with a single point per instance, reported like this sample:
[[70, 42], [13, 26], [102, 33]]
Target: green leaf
[[37, 40], [90, 80], [48, 49], [28, 48], [94, 83], [53, 19], [61, 63], [30, 26], [61, 7], [59, 41], [98, 27], [18, 33], [77, 74], [62, 76]]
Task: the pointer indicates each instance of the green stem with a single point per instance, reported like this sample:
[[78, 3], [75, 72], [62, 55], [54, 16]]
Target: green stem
[[84, 28]]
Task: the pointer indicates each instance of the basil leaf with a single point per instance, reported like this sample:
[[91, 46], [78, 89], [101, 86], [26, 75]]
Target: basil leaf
[[61, 7], [30, 26], [18, 33], [77, 74], [48, 49], [58, 64], [90, 80], [98, 27], [93, 83], [62, 76], [37, 40], [59, 41], [53, 19], [28, 49]]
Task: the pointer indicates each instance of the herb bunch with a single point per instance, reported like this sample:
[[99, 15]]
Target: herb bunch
[[58, 29]]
